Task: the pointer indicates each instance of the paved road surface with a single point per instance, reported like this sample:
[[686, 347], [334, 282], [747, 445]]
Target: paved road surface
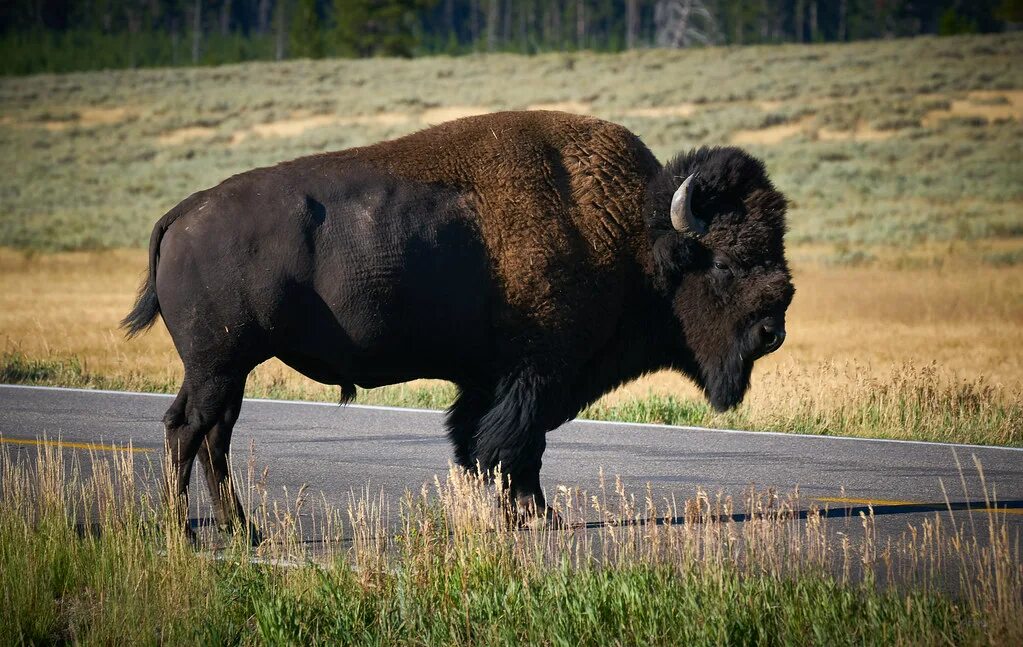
[[339, 449]]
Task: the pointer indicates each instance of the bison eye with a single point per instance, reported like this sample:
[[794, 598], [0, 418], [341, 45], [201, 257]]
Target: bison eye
[[718, 265]]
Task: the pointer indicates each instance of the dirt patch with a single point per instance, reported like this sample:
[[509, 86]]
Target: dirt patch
[[292, 127], [578, 107], [378, 119], [772, 134], [91, 117], [183, 135], [990, 105], [661, 112], [298, 124], [447, 113], [104, 116], [862, 133], [1013, 97]]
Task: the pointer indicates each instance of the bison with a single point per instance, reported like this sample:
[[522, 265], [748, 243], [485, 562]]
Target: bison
[[535, 259]]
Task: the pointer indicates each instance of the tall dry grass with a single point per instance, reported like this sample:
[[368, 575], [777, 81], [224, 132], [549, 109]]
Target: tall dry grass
[[85, 557]]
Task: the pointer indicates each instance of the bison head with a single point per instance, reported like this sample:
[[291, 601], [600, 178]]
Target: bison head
[[717, 227]]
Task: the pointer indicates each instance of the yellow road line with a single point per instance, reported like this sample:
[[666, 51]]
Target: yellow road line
[[1003, 510], [852, 501], [64, 444], [839, 499]]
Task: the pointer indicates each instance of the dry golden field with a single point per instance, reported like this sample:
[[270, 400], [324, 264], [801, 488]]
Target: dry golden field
[[854, 332], [901, 159], [966, 319]]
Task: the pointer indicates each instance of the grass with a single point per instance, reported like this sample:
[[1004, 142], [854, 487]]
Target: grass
[[913, 404], [443, 570], [895, 143]]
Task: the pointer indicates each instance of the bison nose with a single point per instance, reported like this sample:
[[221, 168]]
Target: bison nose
[[771, 336]]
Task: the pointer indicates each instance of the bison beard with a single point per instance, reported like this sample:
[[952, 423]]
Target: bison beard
[[535, 259]]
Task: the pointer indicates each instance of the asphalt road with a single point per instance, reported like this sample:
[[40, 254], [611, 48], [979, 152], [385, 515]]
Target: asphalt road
[[336, 450]]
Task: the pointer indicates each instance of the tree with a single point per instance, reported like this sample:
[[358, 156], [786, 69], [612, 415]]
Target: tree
[[377, 27], [952, 23], [351, 18], [493, 15], [631, 23], [225, 18], [263, 16], [196, 31], [306, 37], [682, 23], [281, 27], [1011, 11], [798, 13]]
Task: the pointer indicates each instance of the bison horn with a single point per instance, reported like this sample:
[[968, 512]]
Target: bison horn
[[682, 218]]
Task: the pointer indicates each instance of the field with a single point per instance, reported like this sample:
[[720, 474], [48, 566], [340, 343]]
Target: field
[[902, 161]]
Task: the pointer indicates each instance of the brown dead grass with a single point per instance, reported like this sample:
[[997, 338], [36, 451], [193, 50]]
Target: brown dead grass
[[965, 319], [990, 105]]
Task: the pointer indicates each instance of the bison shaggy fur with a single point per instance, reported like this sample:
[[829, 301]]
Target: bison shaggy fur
[[535, 259]]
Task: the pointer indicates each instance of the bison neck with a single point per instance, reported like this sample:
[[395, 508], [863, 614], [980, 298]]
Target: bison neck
[[647, 339]]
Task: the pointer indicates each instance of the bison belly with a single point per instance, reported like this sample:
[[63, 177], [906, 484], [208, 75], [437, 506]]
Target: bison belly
[[398, 288]]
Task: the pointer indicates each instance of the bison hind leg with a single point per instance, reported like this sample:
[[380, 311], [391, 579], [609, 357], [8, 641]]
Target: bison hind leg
[[201, 404], [215, 458]]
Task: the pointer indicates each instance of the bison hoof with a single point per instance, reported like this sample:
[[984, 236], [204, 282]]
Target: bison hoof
[[526, 518]]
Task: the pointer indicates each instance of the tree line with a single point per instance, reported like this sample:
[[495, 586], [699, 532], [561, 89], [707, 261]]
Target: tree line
[[61, 35]]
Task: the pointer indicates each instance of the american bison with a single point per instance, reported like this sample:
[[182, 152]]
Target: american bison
[[534, 259]]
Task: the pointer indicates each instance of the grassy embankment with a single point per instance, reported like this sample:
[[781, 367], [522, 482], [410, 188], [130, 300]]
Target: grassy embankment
[[901, 158], [446, 574]]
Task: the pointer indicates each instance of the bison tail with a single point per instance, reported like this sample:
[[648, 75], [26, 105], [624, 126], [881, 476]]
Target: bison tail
[[147, 306], [143, 315]]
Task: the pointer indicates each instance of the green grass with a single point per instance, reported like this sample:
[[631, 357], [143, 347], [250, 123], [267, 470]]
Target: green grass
[[97, 185], [447, 573], [913, 403], [103, 592]]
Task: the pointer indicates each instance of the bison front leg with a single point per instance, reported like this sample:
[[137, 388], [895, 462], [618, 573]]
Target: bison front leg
[[463, 420], [512, 436]]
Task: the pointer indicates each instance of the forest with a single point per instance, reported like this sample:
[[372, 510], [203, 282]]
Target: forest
[[70, 35]]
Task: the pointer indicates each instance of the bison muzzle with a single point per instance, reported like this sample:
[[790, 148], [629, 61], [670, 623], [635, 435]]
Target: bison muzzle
[[535, 259]]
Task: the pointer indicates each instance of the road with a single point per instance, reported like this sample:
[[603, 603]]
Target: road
[[336, 450]]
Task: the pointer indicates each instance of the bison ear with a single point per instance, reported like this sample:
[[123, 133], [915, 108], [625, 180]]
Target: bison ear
[[682, 217]]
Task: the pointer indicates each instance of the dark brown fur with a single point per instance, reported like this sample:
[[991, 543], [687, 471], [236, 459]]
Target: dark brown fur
[[526, 256]]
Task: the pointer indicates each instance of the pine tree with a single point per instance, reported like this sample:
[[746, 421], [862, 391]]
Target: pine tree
[[281, 28], [351, 20], [377, 27], [305, 36]]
